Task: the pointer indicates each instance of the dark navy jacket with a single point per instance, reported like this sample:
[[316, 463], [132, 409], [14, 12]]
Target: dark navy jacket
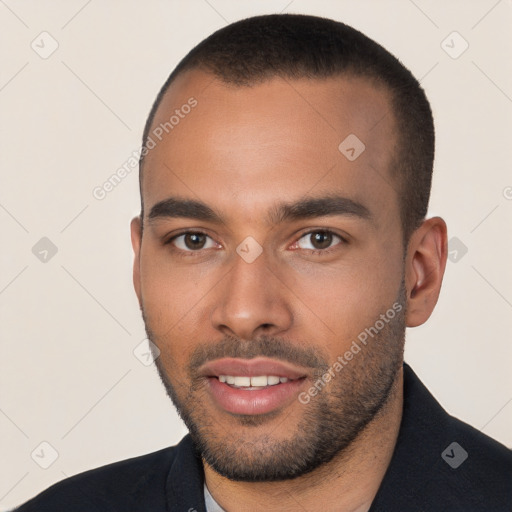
[[439, 464]]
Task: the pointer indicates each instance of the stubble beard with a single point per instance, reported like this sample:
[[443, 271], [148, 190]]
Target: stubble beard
[[329, 423]]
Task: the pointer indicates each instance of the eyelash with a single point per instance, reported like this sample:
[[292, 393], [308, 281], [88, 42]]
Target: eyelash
[[315, 252]]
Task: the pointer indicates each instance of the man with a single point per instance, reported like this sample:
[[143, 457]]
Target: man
[[281, 250]]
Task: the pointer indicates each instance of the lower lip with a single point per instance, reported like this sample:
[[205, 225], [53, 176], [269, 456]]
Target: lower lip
[[252, 402]]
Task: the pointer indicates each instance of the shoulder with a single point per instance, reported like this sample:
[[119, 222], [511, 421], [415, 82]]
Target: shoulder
[[116, 486], [467, 470], [478, 464], [458, 445], [442, 463]]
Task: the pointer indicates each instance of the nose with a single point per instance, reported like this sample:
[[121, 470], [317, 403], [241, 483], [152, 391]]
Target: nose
[[251, 301]]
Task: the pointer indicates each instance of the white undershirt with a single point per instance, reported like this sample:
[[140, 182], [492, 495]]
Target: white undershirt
[[211, 504]]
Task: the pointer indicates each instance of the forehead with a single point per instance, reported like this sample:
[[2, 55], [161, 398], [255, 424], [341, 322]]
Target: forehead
[[225, 142]]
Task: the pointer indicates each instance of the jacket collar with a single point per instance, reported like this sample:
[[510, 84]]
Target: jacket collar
[[417, 455]]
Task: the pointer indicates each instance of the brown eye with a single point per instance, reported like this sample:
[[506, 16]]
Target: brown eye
[[193, 241], [321, 240], [318, 240]]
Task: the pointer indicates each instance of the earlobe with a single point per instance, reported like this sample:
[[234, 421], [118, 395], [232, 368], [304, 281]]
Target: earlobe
[[136, 236], [425, 266]]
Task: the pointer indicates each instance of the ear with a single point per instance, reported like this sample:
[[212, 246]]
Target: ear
[[424, 269], [136, 234]]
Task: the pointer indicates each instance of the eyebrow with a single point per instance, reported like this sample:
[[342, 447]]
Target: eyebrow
[[307, 208]]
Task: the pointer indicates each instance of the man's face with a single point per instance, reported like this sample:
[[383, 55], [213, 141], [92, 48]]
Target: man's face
[[273, 256]]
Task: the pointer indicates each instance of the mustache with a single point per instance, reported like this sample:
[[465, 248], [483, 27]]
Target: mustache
[[264, 346]]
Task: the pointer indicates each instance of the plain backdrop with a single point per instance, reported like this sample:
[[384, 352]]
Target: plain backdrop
[[70, 323]]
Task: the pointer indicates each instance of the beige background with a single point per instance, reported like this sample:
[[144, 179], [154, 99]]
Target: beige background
[[68, 374]]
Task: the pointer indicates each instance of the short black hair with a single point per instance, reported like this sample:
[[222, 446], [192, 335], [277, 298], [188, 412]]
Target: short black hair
[[296, 46]]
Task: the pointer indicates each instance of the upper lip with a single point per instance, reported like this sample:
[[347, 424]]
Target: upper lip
[[251, 368]]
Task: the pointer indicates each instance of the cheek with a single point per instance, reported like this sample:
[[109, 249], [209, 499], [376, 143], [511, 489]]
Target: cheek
[[172, 312], [172, 294], [342, 300]]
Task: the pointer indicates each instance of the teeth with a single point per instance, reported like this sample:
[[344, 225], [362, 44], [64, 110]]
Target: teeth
[[262, 380], [259, 381], [242, 382]]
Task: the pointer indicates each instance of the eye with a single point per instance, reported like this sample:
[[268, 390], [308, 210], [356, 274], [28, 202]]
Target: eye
[[320, 240], [192, 241]]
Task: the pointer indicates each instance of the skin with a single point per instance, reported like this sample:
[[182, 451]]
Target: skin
[[226, 153]]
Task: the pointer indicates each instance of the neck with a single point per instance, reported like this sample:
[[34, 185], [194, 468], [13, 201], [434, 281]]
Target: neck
[[349, 482]]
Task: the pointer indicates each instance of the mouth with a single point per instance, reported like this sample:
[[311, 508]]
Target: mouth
[[252, 386], [252, 383]]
